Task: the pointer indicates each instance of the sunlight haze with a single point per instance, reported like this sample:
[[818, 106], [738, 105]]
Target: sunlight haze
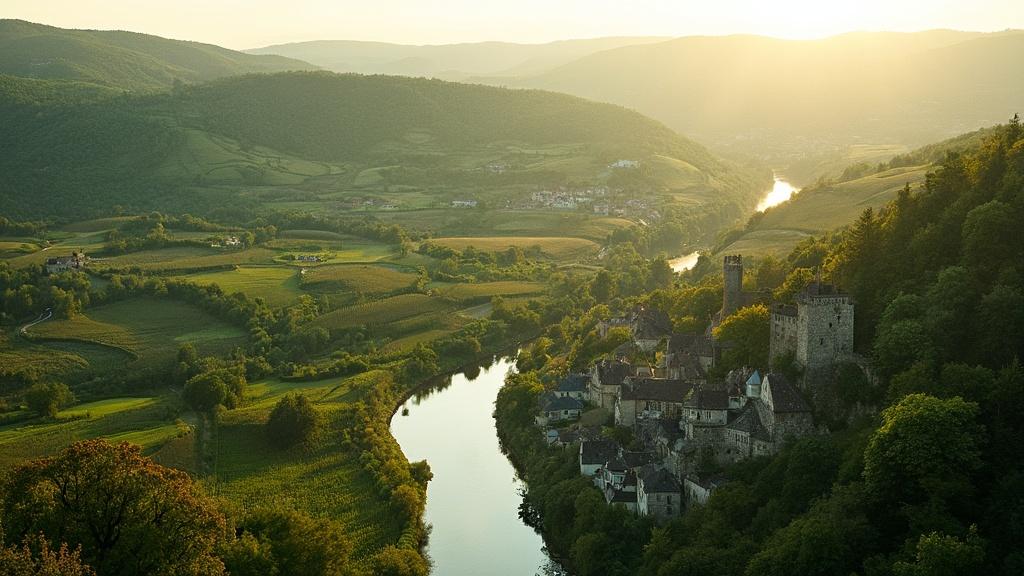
[[240, 25]]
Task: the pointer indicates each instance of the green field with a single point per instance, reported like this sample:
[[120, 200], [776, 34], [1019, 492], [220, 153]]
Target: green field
[[325, 480], [150, 330], [186, 258], [486, 290], [817, 210], [558, 248], [277, 285], [385, 311], [148, 421], [365, 279]]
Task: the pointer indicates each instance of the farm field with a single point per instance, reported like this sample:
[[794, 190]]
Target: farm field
[[557, 248], [485, 290], [361, 278], [151, 330], [277, 285], [386, 311], [332, 480], [148, 421]]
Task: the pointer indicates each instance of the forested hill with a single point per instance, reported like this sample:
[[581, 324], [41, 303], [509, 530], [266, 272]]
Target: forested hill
[[126, 60], [163, 151]]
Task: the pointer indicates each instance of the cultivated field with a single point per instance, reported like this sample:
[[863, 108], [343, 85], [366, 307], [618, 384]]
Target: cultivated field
[[365, 279], [150, 330], [277, 285], [385, 311], [558, 248]]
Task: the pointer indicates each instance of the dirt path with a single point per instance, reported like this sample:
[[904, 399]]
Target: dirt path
[[42, 317]]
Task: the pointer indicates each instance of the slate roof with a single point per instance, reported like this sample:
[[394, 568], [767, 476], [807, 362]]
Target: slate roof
[[598, 451], [658, 480], [616, 464], [657, 389], [749, 421], [785, 397], [573, 383], [613, 372], [652, 324], [755, 379], [638, 459], [563, 403], [820, 289], [708, 400], [621, 497], [709, 482]]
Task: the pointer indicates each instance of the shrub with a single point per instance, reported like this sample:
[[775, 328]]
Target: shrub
[[48, 399], [292, 422]]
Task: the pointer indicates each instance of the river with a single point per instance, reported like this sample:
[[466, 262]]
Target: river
[[473, 499], [780, 192]]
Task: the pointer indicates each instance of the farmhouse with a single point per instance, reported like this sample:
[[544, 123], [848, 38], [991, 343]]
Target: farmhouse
[[594, 454], [60, 264]]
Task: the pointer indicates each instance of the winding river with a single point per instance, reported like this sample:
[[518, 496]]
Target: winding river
[[473, 499], [780, 192]]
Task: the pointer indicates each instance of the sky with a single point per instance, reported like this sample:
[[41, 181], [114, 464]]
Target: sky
[[241, 24]]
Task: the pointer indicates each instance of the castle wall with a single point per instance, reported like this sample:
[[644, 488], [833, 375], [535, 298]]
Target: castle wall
[[783, 335], [825, 331]]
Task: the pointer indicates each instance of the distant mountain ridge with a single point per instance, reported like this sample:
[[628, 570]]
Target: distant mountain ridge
[[125, 60], [785, 99], [447, 61]]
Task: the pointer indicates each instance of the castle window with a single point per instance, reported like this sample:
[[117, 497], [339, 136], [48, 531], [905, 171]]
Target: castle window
[[829, 324], [821, 341]]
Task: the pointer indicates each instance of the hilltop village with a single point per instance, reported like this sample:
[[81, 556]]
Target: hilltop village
[[683, 424]]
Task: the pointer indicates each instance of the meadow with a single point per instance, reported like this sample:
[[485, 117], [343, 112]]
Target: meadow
[[150, 330], [277, 285], [386, 311], [556, 248], [361, 278]]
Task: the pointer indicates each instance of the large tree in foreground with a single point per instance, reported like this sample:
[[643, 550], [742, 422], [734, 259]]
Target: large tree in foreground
[[130, 515]]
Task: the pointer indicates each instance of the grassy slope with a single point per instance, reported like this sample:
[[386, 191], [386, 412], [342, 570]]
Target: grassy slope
[[151, 330]]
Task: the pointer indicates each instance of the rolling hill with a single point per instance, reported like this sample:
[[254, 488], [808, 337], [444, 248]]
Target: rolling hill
[[786, 100], [829, 205], [193, 147], [446, 61], [126, 60]]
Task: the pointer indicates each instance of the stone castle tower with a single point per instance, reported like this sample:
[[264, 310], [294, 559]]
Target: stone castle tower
[[818, 330], [732, 273]]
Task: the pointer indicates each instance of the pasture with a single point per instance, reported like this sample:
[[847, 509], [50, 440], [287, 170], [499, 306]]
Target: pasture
[[277, 285], [361, 278], [323, 480], [150, 330], [487, 290], [556, 248], [384, 311]]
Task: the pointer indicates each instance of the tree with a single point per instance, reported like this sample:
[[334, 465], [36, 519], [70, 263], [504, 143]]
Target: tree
[[35, 557], [925, 446], [603, 286], [288, 542], [394, 561], [748, 332], [128, 514], [206, 391], [293, 421], [48, 399], [944, 555]]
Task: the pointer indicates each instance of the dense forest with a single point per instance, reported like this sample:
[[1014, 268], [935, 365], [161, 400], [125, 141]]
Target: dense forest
[[927, 479]]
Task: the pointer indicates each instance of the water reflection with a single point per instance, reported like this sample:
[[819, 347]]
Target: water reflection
[[473, 502], [780, 192]]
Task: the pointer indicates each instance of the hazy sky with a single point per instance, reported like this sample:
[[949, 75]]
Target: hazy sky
[[253, 23]]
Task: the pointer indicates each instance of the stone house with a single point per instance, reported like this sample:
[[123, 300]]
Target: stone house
[[606, 378], [650, 398], [658, 493], [558, 408], [75, 261], [697, 491], [594, 454], [574, 386]]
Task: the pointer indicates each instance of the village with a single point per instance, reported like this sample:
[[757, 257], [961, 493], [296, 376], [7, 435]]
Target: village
[[684, 425]]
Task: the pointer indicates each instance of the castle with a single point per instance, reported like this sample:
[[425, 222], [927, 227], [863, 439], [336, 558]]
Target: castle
[[817, 331]]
